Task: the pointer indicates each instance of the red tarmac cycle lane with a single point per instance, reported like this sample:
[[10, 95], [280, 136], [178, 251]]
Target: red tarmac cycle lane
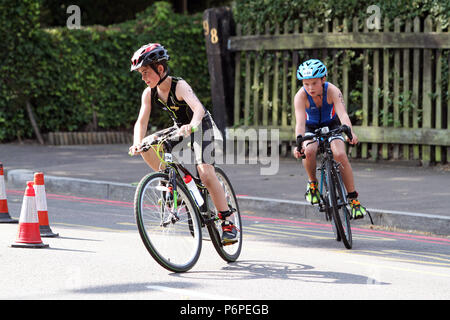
[[253, 221]]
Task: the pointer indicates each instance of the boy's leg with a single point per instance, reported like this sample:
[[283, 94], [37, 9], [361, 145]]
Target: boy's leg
[[340, 155], [312, 194], [152, 160], [150, 156], [309, 163], [208, 176]]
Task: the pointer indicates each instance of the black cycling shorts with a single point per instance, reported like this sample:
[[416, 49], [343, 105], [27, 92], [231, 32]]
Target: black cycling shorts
[[200, 147]]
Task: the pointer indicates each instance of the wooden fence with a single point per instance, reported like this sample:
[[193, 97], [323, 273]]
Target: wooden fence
[[395, 82]]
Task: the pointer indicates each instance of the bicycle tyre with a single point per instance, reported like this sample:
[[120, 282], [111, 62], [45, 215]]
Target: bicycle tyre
[[344, 211], [339, 213], [329, 215], [174, 244], [326, 204], [229, 253]]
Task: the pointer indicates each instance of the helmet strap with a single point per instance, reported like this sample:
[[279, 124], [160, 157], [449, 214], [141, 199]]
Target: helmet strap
[[161, 79]]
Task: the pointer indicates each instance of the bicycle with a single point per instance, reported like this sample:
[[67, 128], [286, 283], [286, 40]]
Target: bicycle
[[334, 201], [168, 216]]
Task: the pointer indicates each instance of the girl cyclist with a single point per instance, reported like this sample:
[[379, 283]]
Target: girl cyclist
[[177, 99], [318, 104]]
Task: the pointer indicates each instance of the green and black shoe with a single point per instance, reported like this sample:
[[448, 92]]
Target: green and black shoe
[[312, 194], [358, 211]]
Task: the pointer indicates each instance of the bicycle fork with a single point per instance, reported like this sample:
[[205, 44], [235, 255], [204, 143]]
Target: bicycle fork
[[322, 206], [172, 189], [340, 184]]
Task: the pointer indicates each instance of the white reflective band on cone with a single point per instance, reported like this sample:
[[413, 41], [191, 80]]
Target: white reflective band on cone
[[41, 197], [2, 188], [28, 213]]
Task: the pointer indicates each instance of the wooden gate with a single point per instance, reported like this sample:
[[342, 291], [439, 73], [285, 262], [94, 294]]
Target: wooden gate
[[392, 80]]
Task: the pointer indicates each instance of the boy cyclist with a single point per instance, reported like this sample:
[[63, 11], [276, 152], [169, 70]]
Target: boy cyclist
[[174, 96], [318, 104]]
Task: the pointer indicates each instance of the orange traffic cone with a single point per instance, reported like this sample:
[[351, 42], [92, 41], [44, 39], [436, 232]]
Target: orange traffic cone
[[4, 213], [41, 206], [28, 235]]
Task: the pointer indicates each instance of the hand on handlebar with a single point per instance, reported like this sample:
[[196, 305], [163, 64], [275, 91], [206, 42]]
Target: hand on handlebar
[[134, 150], [299, 150], [354, 141], [186, 130], [299, 154], [170, 134], [351, 136]]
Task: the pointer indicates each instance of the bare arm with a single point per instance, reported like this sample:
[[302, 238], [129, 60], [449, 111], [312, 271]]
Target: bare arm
[[300, 112], [341, 111], [140, 127], [300, 116], [185, 92]]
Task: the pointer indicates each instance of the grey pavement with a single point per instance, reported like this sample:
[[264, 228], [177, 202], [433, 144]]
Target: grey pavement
[[398, 194]]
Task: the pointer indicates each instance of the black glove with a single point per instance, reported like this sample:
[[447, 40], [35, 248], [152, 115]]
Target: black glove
[[347, 131], [299, 146], [299, 142]]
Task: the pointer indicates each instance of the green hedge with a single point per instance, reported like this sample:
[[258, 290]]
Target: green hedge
[[79, 80], [251, 13], [260, 11]]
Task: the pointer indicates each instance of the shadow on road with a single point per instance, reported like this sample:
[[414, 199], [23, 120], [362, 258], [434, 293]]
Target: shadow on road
[[254, 269]]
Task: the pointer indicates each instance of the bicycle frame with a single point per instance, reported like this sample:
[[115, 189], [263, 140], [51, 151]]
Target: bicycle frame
[[169, 179], [173, 169], [326, 152], [335, 199]]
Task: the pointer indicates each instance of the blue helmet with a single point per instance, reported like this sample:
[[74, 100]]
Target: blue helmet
[[310, 69]]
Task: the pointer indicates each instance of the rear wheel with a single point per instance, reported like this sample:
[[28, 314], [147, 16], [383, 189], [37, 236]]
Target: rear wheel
[[171, 233], [228, 252]]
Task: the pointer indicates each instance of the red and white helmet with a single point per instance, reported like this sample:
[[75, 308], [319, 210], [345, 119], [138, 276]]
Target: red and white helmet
[[148, 54]]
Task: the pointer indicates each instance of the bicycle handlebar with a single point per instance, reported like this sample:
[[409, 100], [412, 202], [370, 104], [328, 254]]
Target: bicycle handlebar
[[168, 134], [326, 133]]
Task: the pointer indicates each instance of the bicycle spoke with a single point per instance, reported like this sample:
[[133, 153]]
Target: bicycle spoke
[[172, 236]]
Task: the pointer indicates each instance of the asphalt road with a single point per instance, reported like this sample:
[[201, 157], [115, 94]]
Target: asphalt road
[[99, 255], [386, 186]]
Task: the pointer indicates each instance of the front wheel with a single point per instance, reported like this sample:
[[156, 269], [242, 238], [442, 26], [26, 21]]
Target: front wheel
[[231, 252], [329, 214], [339, 206], [168, 223]]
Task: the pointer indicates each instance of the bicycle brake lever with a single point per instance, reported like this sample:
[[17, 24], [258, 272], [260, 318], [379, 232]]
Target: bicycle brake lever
[[346, 129], [140, 149]]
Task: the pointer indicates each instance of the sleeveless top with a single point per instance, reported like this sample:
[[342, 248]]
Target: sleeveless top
[[320, 116], [179, 111]]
